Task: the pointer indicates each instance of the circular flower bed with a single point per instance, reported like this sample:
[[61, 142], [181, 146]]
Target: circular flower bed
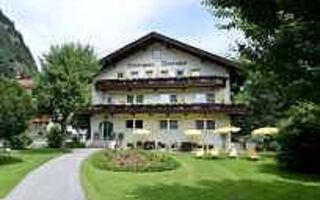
[[135, 161]]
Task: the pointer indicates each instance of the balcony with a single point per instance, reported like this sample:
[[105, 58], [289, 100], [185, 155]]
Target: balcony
[[168, 109], [163, 83]]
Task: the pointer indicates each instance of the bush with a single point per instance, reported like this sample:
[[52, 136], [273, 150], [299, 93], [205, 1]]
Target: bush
[[21, 141], [55, 138], [299, 139], [75, 143], [135, 161]]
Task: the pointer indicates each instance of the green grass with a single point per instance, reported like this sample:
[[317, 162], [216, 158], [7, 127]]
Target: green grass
[[221, 179], [22, 162]]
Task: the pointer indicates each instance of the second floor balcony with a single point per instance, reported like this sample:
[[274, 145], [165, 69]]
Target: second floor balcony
[[161, 83], [169, 109]]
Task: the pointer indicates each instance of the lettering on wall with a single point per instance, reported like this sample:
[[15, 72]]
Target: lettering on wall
[[140, 64], [173, 63], [164, 63]]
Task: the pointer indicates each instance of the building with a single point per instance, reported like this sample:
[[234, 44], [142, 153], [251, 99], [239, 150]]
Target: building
[[162, 88]]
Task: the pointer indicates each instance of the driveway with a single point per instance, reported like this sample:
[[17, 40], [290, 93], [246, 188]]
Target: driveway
[[58, 179]]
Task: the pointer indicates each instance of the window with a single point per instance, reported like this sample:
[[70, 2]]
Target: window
[[164, 72], [130, 99], [173, 125], [173, 98], [169, 124], [211, 125], [139, 124], [129, 124], [135, 99], [139, 99], [109, 100], [200, 124], [163, 124], [195, 72], [180, 72], [134, 74], [149, 73], [205, 124], [120, 75], [210, 98]]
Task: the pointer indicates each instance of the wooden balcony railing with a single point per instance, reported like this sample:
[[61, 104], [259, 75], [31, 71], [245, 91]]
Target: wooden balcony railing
[[158, 83], [168, 109]]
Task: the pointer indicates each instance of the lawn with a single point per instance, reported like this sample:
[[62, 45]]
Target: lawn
[[222, 179], [24, 161]]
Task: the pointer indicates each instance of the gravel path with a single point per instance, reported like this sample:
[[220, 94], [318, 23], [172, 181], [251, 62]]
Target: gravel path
[[59, 179]]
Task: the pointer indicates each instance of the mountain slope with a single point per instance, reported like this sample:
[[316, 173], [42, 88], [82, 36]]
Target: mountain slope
[[15, 56]]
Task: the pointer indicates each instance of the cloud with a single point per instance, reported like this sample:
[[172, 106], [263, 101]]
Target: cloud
[[109, 24]]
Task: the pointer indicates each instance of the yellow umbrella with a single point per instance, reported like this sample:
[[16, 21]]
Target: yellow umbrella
[[265, 131], [227, 129], [141, 132], [193, 132], [194, 135]]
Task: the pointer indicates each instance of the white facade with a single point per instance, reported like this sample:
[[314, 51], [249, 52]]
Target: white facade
[[160, 61]]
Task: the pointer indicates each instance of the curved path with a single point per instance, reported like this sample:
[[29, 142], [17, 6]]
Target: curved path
[[58, 179]]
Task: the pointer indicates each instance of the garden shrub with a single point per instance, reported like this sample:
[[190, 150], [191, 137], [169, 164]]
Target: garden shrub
[[299, 139], [21, 141], [55, 137], [75, 143], [134, 160]]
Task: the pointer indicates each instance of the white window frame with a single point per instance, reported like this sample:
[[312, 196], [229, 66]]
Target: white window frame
[[168, 126], [205, 124], [214, 97], [122, 73], [135, 97], [134, 126]]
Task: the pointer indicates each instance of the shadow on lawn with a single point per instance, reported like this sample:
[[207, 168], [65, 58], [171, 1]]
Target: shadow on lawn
[[274, 169], [7, 160], [229, 190]]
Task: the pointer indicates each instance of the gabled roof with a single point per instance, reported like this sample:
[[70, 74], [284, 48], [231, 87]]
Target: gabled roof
[[156, 37]]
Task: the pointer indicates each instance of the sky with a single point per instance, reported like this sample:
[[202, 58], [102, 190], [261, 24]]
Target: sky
[[110, 24]]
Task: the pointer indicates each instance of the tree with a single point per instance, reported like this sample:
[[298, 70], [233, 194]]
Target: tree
[[63, 86], [299, 139], [15, 109], [6, 63], [280, 54]]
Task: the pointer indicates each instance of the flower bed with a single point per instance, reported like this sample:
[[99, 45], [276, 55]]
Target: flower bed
[[134, 161]]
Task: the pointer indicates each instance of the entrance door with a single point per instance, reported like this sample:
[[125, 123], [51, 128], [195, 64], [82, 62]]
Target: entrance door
[[106, 131]]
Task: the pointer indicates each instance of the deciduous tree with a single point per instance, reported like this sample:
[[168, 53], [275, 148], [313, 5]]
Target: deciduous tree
[[63, 85]]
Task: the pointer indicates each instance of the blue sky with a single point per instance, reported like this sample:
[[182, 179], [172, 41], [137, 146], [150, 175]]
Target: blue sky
[[109, 24]]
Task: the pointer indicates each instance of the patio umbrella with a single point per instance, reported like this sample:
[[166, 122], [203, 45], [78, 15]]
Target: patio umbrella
[[194, 135], [227, 129], [141, 134], [265, 131]]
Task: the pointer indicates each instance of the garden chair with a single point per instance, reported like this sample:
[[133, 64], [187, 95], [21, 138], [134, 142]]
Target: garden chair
[[233, 153], [214, 153], [253, 155], [200, 153]]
